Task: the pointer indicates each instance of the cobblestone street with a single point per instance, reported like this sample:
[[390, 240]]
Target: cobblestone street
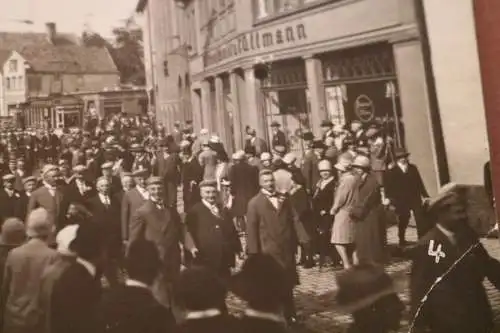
[[315, 295]]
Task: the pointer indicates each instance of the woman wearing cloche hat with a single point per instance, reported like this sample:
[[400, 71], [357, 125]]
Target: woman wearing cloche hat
[[367, 213]]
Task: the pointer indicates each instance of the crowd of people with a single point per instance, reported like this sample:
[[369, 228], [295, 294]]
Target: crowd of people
[[82, 206]]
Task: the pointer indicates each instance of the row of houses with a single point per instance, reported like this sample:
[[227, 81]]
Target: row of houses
[[50, 79]]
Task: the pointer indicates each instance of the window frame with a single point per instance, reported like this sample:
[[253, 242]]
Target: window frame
[[273, 11]]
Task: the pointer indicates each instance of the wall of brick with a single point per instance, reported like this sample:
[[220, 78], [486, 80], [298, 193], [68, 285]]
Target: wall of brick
[[487, 14]]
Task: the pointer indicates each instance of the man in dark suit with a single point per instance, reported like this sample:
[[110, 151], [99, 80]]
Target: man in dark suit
[[191, 175], [29, 186], [105, 210], [10, 199], [132, 201], [273, 228], [278, 138], [156, 222], [79, 190], [167, 168], [50, 197], [449, 265], [259, 144], [210, 226], [405, 190], [114, 181], [310, 165], [76, 292], [141, 160], [132, 308]]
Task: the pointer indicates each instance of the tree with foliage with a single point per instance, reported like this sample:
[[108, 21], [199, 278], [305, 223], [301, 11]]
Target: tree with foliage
[[126, 50]]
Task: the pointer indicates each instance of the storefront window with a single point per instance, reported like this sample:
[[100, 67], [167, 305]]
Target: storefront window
[[268, 8]]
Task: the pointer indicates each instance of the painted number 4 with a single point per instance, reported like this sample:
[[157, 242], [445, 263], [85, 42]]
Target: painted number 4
[[436, 253]]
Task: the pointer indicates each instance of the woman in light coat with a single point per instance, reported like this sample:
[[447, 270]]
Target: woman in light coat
[[344, 200]]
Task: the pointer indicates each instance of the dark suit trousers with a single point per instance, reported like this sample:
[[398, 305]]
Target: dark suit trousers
[[289, 306], [423, 226]]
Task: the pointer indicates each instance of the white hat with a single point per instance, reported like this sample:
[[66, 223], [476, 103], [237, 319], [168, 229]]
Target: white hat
[[203, 131], [48, 167], [265, 156], [239, 155], [214, 139], [324, 165], [289, 158], [64, 239]]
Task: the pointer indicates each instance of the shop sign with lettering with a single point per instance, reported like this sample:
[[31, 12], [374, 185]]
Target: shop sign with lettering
[[256, 41]]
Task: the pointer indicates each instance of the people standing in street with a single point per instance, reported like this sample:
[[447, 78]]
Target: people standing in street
[[406, 192], [273, 228]]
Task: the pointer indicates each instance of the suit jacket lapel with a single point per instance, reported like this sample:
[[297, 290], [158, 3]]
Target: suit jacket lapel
[[162, 216]]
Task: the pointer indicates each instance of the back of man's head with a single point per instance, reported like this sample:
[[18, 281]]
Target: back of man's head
[[143, 261]]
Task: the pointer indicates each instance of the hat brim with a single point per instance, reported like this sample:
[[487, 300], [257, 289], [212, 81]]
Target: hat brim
[[401, 155]]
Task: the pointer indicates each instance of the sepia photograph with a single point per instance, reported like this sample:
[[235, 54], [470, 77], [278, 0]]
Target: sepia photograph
[[249, 166]]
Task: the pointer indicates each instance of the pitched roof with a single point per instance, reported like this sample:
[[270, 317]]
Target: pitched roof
[[64, 55]]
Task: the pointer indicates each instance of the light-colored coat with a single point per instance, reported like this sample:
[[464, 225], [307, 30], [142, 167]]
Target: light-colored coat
[[345, 197]]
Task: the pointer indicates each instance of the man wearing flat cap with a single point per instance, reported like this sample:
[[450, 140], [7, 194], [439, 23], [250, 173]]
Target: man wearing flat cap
[[10, 199], [160, 224], [451, 259], [215, 240], [274, 228], [51, 197]]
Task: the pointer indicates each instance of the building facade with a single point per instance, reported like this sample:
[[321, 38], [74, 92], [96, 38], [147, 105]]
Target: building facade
[[166, 58]]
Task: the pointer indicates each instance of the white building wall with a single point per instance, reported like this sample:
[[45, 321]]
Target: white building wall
[[452, 39]]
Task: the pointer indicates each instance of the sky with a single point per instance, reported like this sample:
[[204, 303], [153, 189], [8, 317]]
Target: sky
[[69, 15]]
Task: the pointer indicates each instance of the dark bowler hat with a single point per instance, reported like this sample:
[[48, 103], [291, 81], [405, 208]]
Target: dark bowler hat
[[318, 144], [308, 136], [326, 123], [400, 153], [361, 286], [275, 124], [153, 181], [261, 281]]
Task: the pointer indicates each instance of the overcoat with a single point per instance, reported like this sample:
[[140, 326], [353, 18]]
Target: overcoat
[[131, 201], [163, 227], [244, 184], [368, 214], [345, 198], [275, 231], [458, 303], [215, 237], [56, 206]]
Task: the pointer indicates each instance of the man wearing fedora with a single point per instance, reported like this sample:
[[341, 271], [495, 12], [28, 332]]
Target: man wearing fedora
[[449, 265], [406, 192], [278, 138], [273, 228]]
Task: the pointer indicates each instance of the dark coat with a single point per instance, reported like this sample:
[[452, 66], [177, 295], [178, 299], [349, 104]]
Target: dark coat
[[244, 186], [131, 201], [128, 309], [108, 218], [217, 324], [259, 144], [164, 228], [276, 232], [310, 170], [56, 206], [279, 139], [74, 196], [368, 215], [10, 206], [251, 325], [302, 203], [461, 292], [168, 170], [191, 175], [405, 190], [323, 201], [215, 237], [73, 308], [23, 206]]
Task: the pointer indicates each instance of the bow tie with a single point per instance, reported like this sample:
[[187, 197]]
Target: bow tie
[[273, 195]]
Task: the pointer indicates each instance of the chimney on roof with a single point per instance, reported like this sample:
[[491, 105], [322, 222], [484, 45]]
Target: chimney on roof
[[51, 31]]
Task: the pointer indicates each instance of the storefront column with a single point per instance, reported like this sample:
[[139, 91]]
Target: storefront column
[[416, 114], [316, 93], [237, 128], [222, 123], [196, 109], [253, 106], [206, 105]]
